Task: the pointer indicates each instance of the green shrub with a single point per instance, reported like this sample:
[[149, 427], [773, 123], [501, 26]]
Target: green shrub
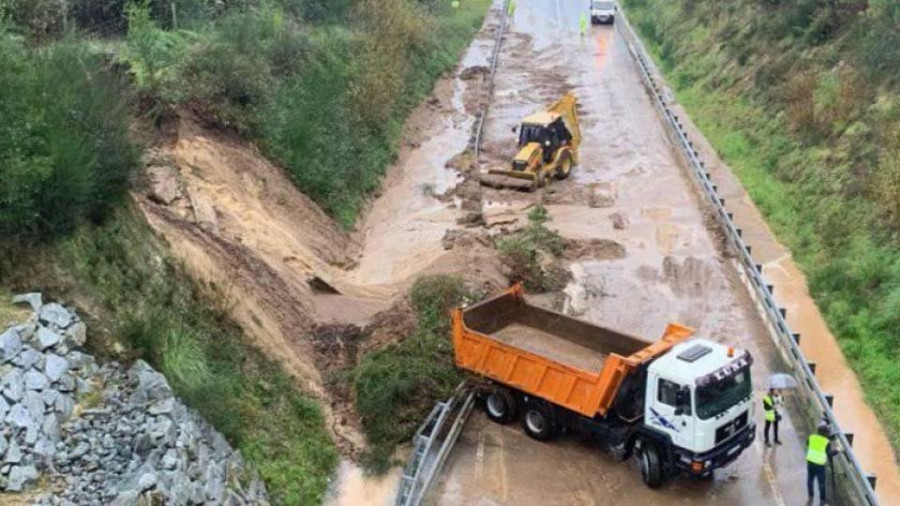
[[531, 253], [397, 386], [67, 155]]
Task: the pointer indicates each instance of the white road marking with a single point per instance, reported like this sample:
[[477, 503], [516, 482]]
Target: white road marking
[[770, 476]]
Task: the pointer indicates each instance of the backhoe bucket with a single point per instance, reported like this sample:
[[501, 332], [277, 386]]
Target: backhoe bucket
[[512, 179]]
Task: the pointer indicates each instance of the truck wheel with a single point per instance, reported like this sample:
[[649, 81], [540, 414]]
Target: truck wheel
[[500, 406], [538, 421], [651, 466]]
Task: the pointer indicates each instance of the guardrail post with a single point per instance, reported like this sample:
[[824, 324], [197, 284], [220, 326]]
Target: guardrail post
[[770, 288], [783, 312], [812, 366], [849, 436], [829, 398], [796, 337], [872, 479]]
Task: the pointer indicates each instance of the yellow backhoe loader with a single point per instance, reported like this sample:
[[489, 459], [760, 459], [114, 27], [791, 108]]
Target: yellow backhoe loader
[[548, 148]]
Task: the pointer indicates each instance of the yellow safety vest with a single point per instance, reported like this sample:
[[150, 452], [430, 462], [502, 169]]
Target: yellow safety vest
[[769, 408], [817, 452]]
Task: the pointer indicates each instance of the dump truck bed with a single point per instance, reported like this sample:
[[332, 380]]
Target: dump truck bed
[[567, 361]]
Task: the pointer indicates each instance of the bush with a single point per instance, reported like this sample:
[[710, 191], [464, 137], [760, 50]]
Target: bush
[[396, 387], [68, 156], [531, 253]]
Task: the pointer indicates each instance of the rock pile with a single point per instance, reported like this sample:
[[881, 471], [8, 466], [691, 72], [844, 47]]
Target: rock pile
[[100, 434]]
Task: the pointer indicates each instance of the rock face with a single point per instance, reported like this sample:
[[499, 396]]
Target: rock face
[[101, 434]]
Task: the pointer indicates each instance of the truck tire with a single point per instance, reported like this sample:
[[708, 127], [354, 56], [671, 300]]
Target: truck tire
[[500, 406], [538, 421], [651, 466]]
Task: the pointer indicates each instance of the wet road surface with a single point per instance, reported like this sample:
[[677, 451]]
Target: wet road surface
[[674, 270]]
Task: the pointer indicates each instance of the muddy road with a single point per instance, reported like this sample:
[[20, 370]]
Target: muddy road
[[631, 187]]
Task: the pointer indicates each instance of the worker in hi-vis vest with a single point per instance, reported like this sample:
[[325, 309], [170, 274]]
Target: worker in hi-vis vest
[[818, 451], [772, 406]]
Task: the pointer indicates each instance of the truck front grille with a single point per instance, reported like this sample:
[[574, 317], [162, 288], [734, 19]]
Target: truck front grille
[[731, 428]]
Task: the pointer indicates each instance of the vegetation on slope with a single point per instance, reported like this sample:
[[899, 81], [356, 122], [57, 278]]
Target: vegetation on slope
[[801, 100], [65, 154], [326, 98], [396, 387]]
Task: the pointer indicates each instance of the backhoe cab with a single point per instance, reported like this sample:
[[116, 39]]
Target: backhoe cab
[[548, 147]]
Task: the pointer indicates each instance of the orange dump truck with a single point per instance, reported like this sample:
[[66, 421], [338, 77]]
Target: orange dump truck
[[681, 404]]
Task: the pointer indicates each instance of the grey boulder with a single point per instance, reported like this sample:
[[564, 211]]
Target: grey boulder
[[33, 299], [55, 314], [10, 345], [46, 338]]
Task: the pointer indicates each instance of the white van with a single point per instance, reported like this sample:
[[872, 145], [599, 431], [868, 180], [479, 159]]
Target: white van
[[603, 11]]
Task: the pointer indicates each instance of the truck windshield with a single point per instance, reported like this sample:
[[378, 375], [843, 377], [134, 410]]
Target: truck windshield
[[603, 6], [721, 395]]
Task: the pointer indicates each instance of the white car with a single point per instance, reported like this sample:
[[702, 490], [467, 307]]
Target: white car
[[603, 11]]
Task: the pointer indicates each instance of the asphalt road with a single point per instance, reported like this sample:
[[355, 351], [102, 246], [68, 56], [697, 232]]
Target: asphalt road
[[674, 269]]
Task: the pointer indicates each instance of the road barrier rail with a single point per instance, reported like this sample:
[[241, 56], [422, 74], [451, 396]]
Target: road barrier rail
[[432, 444], [478, 135], [859, 487]]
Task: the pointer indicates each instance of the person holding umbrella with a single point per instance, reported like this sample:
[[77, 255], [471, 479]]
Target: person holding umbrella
[[773, 403]]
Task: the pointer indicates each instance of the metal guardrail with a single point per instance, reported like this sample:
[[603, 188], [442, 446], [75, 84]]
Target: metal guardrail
[[495, 56], [432, 444], [862, 484]]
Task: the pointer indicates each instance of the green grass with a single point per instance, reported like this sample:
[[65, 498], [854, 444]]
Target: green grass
[[397, 386], [138, 297], [810, 162]]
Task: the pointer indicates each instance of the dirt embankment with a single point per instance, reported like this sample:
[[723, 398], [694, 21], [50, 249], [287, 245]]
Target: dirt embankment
[[307, 292]]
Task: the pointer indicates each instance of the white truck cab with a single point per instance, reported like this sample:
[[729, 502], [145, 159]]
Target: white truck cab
[[603, 11], [699, 405]]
